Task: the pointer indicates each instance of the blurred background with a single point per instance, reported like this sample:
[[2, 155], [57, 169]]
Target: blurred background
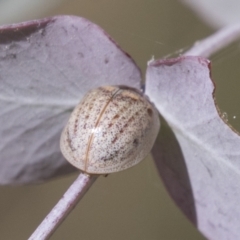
[[132, 204]]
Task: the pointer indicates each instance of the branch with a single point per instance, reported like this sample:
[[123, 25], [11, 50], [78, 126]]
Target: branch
[[215, 42], [69, 200]]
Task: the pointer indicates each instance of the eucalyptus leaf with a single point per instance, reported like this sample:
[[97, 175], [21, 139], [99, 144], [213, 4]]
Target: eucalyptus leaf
[[198, 156], [46, 67]]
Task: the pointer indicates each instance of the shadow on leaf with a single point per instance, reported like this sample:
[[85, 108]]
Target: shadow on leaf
[[171, 166]]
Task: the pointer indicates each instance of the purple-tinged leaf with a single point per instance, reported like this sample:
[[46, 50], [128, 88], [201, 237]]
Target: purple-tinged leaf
[[199, 159], [46, 66]]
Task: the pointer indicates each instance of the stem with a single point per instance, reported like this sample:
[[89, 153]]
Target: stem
[[215, 42], [65, 205]]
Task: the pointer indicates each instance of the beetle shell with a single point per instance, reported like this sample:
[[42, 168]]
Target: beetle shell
[[111, 129]]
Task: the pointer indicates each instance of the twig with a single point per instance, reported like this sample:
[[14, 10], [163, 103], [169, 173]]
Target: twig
[[215, 42], [69, 200]]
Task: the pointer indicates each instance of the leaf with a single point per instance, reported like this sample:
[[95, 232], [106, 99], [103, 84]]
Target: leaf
[[214, 12], [46, 66], [199, 158]]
